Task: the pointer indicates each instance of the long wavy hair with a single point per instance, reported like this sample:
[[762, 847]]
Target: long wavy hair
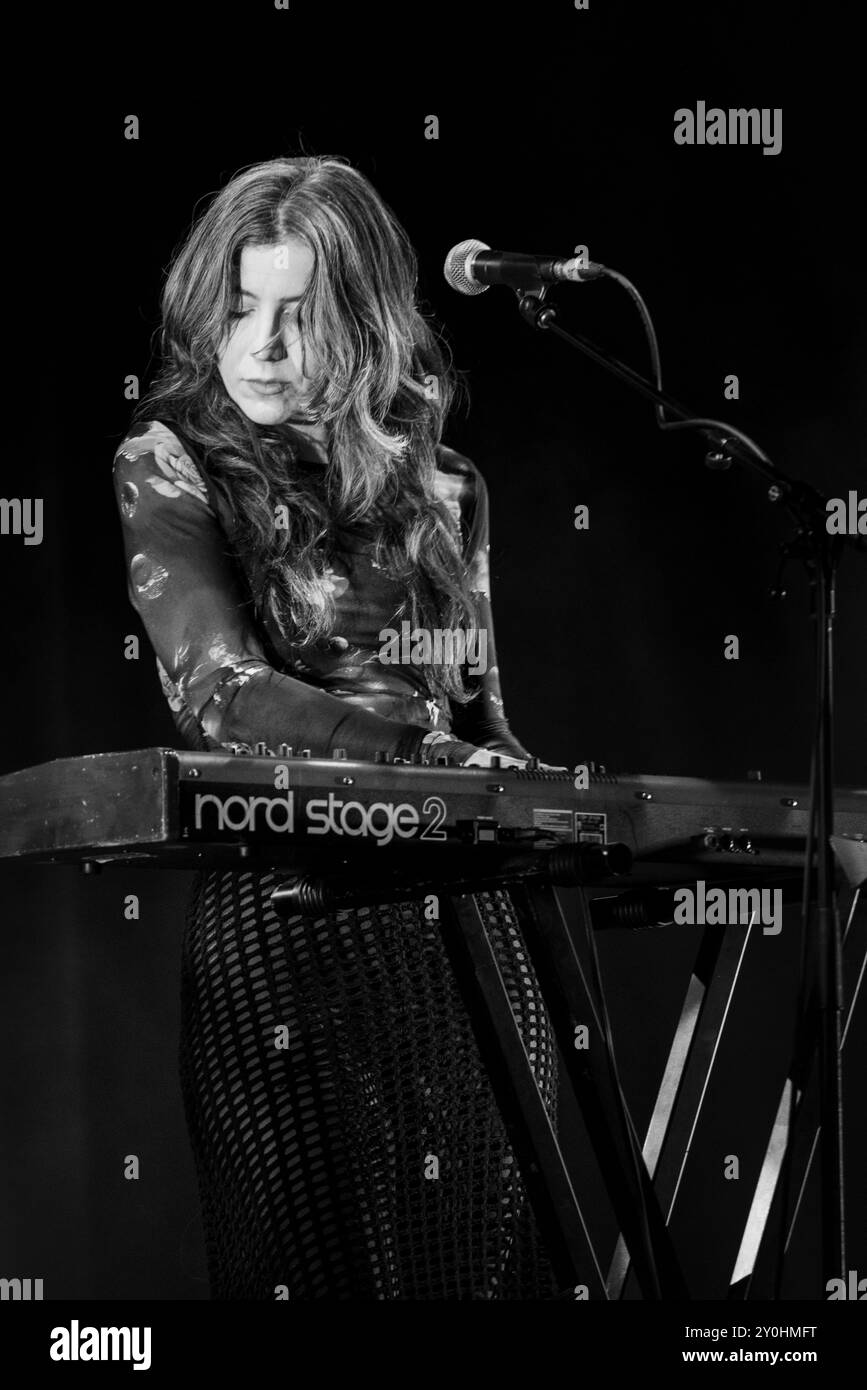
[[375, 355]]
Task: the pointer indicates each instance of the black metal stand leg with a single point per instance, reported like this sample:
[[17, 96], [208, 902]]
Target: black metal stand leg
[[772, 1207], [528, 1124], [687, 1073], [590, 1072]]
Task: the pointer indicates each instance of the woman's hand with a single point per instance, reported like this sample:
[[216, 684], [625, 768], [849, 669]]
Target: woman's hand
[[436, 742], [483, 757]]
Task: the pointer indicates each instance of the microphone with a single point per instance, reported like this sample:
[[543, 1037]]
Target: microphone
[[471, 267]]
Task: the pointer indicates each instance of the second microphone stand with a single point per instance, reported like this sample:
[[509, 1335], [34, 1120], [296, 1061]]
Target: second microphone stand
[[820, 552]]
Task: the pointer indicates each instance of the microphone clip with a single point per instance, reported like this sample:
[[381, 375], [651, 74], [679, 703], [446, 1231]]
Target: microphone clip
[[532, 307]]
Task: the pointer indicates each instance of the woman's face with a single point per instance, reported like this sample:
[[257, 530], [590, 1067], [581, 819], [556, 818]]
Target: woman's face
[[263, 360]]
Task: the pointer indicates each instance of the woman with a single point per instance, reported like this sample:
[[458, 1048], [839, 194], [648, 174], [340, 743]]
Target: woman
[[285, 499]]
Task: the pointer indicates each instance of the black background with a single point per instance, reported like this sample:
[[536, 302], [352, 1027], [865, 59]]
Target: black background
[[555, 129]]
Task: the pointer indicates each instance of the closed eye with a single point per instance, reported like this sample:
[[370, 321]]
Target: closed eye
[[288, 315]]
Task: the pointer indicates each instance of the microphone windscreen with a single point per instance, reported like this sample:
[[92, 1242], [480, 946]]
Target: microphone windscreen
[[456, 268]]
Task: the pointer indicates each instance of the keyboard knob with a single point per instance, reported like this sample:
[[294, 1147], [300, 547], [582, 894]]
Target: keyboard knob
[[380, 756], [532, 764], [339, 754], [285, 750], [496, 760], [261, 749], [305, 753]]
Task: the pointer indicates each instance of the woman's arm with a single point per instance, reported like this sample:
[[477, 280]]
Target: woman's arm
[[183, 584], [483, 721]]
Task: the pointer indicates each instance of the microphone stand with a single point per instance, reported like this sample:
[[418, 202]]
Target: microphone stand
[[821, 554]]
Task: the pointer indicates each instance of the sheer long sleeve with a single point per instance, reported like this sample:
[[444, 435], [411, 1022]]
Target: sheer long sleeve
[[184, 584], [483, 720]]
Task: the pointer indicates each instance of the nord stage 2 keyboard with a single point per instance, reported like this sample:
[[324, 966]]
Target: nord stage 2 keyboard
[[183, 808]]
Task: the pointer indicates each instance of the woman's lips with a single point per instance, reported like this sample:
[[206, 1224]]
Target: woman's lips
[[267, 388]]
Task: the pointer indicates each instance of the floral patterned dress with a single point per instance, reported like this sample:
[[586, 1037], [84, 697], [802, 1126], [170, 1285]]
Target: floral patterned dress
[[315, 1161]]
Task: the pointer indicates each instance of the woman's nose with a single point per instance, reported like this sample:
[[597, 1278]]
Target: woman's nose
[[272, 349]]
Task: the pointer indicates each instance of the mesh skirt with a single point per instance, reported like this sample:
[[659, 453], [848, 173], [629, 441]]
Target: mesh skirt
[[346, 1137]]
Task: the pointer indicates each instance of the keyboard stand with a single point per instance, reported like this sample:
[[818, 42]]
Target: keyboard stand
[[682, 1092], [551, 1184], [758, 1268]]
